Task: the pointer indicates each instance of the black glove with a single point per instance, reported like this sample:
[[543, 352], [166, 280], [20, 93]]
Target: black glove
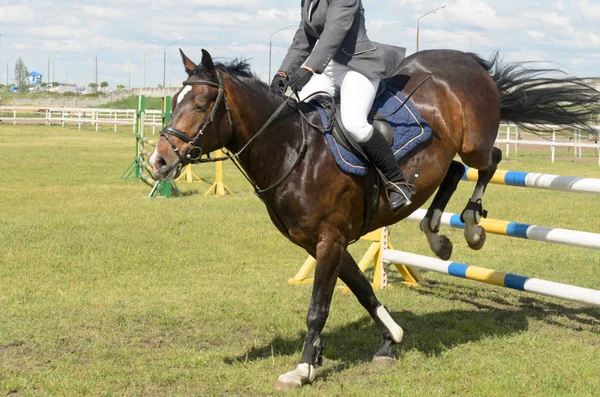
[[299, 78], [279, 83]]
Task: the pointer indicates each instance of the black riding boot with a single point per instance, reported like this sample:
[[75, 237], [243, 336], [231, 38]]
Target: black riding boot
[[380, 154]]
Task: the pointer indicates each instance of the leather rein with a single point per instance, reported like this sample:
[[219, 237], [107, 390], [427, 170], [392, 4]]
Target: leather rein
[[194, 153]]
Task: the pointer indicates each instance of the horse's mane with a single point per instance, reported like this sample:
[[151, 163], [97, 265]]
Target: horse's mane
[[239, 71]]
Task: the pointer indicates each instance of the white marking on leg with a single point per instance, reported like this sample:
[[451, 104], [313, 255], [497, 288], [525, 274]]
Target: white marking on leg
[[388, 321], [303, 374]]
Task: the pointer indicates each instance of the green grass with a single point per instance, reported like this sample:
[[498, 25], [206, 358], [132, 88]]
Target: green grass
[[7, 97], [130, 102], [106, 292]]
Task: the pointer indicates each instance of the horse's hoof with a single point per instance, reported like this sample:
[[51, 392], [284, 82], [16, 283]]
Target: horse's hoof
[[302, 375], [381, 362], [444, 251], [478, 244], [285, 385]]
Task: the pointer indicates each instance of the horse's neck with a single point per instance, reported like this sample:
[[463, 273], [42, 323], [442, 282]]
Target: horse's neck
[[265, 159]]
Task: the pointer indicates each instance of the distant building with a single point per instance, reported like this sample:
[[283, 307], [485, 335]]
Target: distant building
[[34, 78], [64, 87]]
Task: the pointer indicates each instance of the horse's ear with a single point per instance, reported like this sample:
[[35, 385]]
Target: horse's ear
[[188, 64], [207, 61]]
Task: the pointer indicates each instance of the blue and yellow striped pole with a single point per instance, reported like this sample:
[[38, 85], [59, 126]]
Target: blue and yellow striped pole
[[574, 238], [488, 276], [539, 181]]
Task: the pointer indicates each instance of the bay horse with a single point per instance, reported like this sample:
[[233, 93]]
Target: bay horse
[[279, 148]]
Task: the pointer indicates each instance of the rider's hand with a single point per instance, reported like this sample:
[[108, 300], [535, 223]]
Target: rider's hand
[[300, 78], [279, 83]]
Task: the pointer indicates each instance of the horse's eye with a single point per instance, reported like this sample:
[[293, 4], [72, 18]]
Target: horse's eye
[[200, 108]]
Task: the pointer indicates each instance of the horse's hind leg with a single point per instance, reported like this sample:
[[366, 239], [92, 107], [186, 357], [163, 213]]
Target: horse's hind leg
[[360, 287], [430, 225], [471, 215]]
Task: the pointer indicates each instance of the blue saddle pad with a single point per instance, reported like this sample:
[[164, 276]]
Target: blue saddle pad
[[409, 129]]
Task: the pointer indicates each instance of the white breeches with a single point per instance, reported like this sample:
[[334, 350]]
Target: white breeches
[[357, 94]]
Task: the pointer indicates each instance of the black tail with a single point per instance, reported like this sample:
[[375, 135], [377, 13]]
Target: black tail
[[530, 98]]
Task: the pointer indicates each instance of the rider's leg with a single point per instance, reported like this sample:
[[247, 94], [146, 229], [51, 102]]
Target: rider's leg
[[357, 94], [319, 82]]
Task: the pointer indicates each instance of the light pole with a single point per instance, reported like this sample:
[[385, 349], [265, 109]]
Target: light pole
[[96, 64], [424, 15], [165, 61], [57, 52], [144, 67], [270, 40], [7, 60], [129, 73]]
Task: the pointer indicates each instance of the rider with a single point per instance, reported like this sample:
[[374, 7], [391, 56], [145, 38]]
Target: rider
[[331, 52]]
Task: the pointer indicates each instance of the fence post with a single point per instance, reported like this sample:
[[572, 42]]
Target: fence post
[[508, 140], [553, 149], [139, 147], [517, 140]]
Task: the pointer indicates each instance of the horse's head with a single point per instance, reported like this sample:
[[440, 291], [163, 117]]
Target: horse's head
[[196, 116]]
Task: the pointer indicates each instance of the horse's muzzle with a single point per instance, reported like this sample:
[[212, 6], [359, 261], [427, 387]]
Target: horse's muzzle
[[162, 170]]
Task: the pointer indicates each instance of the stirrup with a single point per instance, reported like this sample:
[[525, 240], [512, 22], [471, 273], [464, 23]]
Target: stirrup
[[405, 191]]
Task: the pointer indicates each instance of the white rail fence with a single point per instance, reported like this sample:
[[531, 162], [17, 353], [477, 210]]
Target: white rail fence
[[508, 134], [77, 116], [553, 137]]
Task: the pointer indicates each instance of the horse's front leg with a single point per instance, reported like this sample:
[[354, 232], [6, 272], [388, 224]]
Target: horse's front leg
[[328, 255], [391, 332]]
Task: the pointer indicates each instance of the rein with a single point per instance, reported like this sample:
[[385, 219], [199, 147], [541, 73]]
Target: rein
[[193, 155]]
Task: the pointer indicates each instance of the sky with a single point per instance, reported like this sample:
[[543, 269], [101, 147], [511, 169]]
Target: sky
[[565, 33]]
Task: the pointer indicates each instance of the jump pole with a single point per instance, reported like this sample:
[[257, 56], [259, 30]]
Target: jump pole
[[140, 164], [488, 276], [539, 181], [573, 238]]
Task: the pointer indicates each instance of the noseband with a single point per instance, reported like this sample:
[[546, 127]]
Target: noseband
[[193, 154]]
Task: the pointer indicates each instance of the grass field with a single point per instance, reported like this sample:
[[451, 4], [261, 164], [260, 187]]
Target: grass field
[[106, 292]]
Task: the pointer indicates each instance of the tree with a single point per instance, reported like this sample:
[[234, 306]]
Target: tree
[[21, 74], [120, 86], [103, 85], [92, 85], [43, 85], [54, 84]]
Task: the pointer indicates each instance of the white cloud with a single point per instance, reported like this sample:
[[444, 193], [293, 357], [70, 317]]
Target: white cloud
[[16, 14], [536, 34], [473, 13], [553, 18], [566, 32]]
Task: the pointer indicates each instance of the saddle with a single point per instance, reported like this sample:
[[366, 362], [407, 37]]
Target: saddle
[[402, 125], [344, 139]]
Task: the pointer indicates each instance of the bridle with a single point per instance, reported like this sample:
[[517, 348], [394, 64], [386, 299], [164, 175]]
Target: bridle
[[194, 153]]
